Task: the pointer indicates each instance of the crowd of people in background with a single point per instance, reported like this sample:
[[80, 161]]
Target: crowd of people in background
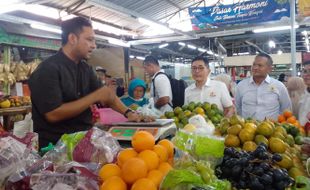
[[64, 88], [259, 96]]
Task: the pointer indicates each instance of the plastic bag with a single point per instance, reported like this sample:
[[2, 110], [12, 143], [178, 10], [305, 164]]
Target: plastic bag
[[200, 146], [23, 127], [21, 180], [150, 109], [14, 157], [56, 181], [97, 146], [94, 145], [202, 127]]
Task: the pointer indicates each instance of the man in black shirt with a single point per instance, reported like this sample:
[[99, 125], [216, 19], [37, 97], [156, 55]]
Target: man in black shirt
[[64, 87]]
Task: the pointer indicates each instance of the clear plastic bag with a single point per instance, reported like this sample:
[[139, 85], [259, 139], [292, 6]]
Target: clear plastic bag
[[21, 180], [150, 109], [202, 127], [14, 157], [23, 127], [94, 145], [56, 181], [97, 146]]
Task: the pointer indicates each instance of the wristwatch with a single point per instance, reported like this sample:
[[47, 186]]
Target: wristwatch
[[127, 111]]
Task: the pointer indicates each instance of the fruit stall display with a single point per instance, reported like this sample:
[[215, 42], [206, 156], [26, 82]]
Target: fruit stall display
[[181, 114], [15, 101], [263, 154]]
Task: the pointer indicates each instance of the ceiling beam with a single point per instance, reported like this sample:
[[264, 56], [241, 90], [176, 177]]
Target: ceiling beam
[[74, 6], [36, 1], [172, 14], [122, 10]]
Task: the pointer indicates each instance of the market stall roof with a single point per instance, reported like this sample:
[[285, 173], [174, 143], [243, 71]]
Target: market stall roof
[[124, 20]]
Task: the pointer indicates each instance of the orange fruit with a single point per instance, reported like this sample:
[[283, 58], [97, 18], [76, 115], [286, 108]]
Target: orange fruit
[[164, 167], [169, 146], [109, 170], [291, 119], [143, 184], [114, 183], [142, 140], [281, 118], [155, 176], [297, 124], [287, 113], [133, 169], [125, 155], [161, 152], [150, 158]]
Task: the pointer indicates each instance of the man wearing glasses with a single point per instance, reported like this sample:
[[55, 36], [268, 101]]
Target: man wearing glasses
[[304, 110], [261, 96], [206, 90]]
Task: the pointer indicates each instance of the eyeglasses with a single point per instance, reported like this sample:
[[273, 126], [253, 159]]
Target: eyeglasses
[[197, 68]]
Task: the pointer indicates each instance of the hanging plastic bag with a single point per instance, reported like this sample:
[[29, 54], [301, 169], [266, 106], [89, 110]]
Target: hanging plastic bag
[[23, 127]]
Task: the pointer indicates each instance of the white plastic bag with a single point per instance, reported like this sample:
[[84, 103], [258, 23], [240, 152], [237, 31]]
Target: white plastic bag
[[150, 110], [202, 127], [23, 127]]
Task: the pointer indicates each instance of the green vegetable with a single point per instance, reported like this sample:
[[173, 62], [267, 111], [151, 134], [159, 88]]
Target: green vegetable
[[181, 176], [71, 140], [301, 183]]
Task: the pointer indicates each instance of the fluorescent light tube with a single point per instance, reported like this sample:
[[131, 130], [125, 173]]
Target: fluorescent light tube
[[181, 43], [210, 52], [280, 52], [244, 53], [163, 45], [272, 44], [141, 58], [191, 46], [202, 50], [131, 56], [46, 28], [277, 28], [118, 42]]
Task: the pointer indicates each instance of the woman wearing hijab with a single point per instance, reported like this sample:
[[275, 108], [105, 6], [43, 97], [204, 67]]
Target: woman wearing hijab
[[136, 92]]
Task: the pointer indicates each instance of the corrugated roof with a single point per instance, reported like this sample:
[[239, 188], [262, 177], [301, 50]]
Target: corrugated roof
[[155, 9]]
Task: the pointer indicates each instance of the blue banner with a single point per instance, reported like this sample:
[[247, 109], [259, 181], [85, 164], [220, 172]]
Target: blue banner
[[244, 12]]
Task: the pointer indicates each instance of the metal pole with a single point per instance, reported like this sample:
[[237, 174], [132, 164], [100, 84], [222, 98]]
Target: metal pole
[[293, 38], [6, 61]]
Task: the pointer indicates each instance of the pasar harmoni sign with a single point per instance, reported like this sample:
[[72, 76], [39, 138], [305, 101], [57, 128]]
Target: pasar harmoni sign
[[242, 12]]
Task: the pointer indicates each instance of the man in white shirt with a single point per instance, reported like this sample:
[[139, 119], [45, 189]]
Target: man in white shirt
[[162, 93], [304, 109], [261, 96], [206, 90]]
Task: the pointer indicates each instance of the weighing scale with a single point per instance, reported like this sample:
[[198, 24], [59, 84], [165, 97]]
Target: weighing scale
[[160, 129]]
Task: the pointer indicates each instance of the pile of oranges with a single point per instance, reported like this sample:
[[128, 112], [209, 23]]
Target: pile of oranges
[[288, 117], [141, 167]]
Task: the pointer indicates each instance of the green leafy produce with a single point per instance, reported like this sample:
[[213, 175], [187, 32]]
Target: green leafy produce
[[181, 176], [71, 140], [302, 183], [198, 145]]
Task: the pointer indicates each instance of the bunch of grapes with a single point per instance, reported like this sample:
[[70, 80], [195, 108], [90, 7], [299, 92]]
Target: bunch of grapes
[[253, 170]]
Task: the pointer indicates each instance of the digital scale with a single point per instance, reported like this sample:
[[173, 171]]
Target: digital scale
[[160, 129]]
